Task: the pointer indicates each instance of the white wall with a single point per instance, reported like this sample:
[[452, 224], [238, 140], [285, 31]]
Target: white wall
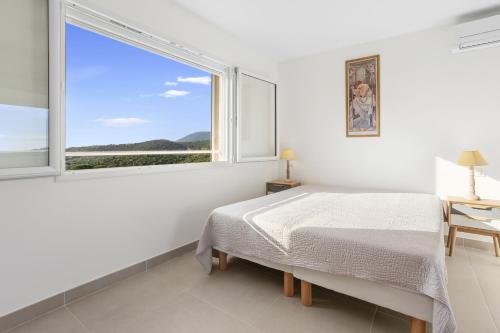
[[57, 235], [433, 105]]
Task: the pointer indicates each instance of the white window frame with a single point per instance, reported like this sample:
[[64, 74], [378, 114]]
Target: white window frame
[[54, 167], [237, 153], [116, 28]]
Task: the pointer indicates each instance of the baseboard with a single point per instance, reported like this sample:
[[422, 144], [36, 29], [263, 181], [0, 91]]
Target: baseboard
[[42, 307]]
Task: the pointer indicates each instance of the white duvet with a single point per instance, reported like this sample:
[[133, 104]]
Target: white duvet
[[391, 238]]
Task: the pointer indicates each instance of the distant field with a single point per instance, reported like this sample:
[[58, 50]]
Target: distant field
[[99, 162]]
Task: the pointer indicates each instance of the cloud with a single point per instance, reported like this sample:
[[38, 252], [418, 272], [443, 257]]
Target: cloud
[[196, 80], [146, 95], [170, 83], [174, 93], [121, 122], [85, 73]]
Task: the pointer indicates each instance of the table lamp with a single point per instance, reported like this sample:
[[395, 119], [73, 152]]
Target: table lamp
[[472, 158], [287, 155]]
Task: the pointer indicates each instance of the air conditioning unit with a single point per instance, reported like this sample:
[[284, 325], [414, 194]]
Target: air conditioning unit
[[478, 34]]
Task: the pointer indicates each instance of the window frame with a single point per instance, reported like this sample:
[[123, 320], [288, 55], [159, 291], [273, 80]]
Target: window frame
[[116, 28], [54, 128], [237, 153]]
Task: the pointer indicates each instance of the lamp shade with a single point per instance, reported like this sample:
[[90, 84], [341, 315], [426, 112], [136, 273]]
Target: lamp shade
[[471, 158], [287, 154]]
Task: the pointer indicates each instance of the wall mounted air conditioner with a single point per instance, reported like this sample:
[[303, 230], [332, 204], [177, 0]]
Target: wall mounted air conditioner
[[477, 35]]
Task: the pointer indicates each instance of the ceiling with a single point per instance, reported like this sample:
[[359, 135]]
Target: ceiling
[[284, 29]]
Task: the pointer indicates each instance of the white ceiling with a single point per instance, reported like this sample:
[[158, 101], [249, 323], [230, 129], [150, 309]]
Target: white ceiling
[[284, 29]]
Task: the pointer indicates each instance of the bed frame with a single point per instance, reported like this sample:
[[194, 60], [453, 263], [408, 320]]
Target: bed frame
[[418, 307]]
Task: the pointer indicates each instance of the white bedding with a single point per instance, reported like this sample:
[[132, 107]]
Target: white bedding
[[391, 238]]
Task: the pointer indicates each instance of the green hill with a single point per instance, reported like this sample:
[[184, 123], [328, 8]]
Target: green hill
[[146, 146], [196, 136]]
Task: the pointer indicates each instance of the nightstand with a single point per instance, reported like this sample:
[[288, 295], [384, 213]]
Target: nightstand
[[280, 185], [474, 225]]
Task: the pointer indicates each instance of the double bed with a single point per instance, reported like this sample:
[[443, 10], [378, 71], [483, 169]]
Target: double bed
[[385, 248]]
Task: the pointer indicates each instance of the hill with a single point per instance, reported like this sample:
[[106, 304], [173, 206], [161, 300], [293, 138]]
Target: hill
[[196, 136], [161, 144]]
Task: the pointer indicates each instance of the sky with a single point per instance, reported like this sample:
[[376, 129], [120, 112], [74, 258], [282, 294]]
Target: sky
[[117, 93]]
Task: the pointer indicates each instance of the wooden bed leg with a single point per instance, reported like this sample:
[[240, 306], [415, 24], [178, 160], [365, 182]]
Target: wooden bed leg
[[288, 284], [417, 325], [449, 238], [222, 261], [305, 293]]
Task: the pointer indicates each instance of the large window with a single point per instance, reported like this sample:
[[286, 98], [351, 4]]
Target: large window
[[128, 106], [82, 90]]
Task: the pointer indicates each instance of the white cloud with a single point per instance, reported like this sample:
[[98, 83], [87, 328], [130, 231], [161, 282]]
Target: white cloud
[[196, 80], [121, 122], [174, 93], [146, 95], [170, 83]]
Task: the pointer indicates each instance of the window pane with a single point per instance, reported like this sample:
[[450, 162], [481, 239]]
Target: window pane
[[126, 106], [23, 137], [24, 83], [258, 118]]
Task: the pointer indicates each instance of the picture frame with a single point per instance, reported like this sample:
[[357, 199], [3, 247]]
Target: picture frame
[[362, 85]]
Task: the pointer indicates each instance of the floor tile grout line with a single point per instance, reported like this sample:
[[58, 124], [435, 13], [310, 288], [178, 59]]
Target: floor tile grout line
[[480, 288], [77, 319], [373, 319], [275, 300], [222, 310]]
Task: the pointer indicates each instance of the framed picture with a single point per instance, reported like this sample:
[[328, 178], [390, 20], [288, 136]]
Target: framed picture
[[362, 85]]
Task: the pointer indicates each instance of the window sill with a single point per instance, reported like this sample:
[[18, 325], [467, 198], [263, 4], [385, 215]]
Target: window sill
[[140, 170]]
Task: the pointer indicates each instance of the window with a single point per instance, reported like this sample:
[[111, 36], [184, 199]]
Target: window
[[256, 119], [24, 88], [131, 102]]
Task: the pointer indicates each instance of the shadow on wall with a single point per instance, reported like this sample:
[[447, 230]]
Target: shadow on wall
[[452, 179]]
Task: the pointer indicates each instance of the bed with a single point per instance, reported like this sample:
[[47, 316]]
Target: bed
[[385, 248]]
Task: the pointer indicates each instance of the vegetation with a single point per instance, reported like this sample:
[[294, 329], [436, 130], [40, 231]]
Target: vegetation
[[194, 141], [147, 146], [99, 162]]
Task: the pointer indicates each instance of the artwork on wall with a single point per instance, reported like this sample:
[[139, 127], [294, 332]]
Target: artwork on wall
[[362, 77]]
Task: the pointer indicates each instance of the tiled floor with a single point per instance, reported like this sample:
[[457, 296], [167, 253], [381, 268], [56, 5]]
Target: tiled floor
[[178, 297]]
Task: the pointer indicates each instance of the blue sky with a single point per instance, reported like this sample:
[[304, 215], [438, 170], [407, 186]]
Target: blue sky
[[117, 93]]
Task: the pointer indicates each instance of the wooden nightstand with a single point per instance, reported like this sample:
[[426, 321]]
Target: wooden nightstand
[[280, 185], [474, 225]]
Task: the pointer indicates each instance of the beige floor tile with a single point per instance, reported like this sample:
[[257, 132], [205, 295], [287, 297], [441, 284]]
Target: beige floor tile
[[241, 291], [184, 269], [188, 314], [116, 307], [467, 300], [58, 321], [487, 269], [328, 314], [387, 323]]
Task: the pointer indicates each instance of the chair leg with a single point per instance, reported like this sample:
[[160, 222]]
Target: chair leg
[[222, 261], [496, 243], [305, 293], [449, 238], [417, 325], [453, 240], [288, 284]]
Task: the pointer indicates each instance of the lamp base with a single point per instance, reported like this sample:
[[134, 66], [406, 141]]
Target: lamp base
[[472, 196]]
